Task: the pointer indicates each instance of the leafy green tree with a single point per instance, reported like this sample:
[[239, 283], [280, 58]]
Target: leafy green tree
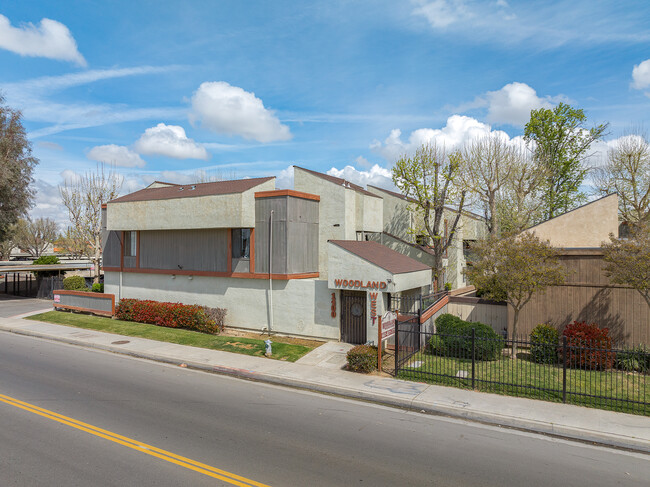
[[627, 172], [513, 269], [431, 178], [560, 144], [16, 167], [627, 260]]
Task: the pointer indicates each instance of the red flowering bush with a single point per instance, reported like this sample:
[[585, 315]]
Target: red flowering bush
[[588, 347], [172, 315]]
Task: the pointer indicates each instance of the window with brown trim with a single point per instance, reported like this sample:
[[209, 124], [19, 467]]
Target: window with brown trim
[[130, 244], [241, 243]]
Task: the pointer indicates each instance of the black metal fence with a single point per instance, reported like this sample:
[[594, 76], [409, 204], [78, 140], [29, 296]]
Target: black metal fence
[[584, 374]]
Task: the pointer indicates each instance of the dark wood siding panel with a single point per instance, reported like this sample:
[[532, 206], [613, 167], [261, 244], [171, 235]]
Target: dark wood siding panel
[[279, 247], [200, 250], [112, 250], [302, 247]]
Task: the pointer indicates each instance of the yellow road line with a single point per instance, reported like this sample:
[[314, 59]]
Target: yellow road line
[[188, 463]]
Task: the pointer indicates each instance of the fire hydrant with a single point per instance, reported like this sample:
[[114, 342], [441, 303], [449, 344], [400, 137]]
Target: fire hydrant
[[268, 352]]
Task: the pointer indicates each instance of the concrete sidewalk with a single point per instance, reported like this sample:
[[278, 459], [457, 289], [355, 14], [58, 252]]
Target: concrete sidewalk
[[320, 372]]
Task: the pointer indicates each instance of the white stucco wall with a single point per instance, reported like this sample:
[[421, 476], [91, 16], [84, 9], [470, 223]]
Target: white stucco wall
[[300, 306], [235, 210]]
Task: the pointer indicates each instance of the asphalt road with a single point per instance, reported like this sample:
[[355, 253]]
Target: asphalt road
[[16, 305], [265, 434]]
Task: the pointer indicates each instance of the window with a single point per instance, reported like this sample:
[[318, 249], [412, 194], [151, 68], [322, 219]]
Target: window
[[241, 240], [130, 244]]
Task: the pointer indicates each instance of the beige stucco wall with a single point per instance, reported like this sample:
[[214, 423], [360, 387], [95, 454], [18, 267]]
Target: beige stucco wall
[[586, 226], [235, 210], [300, 306]]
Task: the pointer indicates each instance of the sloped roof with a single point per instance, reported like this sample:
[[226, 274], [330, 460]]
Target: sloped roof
[[381, 256], [411, 200], [192, 190], [340, 182]]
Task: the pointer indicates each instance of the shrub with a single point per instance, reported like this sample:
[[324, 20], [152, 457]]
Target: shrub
[[436, 345], [636, 359], [362, 358], [47, 260], [456, 337], [74, 283], [543, 344], [589, 347], [98, 287], [172, 315]]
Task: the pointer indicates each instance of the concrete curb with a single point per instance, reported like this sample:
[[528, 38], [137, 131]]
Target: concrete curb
[[411, 403]]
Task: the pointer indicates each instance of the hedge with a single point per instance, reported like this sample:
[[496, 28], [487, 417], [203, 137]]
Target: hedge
[[362, 358], [172, 315], [74, 283], [454, 339], [544, 341]]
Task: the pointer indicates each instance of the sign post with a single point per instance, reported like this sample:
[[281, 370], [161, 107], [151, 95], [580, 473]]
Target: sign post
[[386, 329]]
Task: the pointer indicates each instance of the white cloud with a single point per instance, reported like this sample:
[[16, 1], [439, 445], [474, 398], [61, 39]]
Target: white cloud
[[169, 141], [49, 39], [458, 130], [362, 161], [540, 24], [641, 75], [512, 104], [442, 13], [49, 145], [227, 109], [284, 180], [33, 96], [117, 155], [376, 176]]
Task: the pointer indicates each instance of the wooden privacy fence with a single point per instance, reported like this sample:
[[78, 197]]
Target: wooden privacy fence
[[588, 295]]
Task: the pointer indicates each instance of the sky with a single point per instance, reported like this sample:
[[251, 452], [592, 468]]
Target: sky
[[169, 90]]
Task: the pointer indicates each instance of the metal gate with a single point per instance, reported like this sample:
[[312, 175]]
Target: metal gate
[[353, 317]]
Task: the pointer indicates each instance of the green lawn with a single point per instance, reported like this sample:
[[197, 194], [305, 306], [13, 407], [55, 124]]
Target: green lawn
[[249, 346], [527, 379]]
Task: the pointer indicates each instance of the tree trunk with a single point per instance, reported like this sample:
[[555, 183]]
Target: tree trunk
[[494, 221], [514, 332]]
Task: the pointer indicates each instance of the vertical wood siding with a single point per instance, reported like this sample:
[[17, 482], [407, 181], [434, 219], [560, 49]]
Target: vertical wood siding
[[587, 295], [197, 250], [112, 250], [295, 235]]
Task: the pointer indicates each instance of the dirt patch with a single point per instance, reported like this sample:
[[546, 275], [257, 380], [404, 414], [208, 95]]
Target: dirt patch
[[274, 338]]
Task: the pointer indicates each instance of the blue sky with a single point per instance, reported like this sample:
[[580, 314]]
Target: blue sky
[[164, 89]]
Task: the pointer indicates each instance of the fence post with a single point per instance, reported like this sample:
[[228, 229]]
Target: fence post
[[473, 354], [564, 369], [396, 341]]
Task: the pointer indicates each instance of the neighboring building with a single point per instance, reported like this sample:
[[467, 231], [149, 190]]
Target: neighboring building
[[401, 232], [214, 244], [587, 294]]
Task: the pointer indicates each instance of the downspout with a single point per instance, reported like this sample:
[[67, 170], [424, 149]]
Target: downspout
[[270, 273]]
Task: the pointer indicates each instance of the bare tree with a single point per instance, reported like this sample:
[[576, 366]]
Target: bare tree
[[72, 244], [627, 172], [35, 236], [519, 202], [488, 164], [430, 177], [84, 197]]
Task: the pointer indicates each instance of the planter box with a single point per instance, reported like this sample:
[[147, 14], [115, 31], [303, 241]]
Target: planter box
[[97, 303]]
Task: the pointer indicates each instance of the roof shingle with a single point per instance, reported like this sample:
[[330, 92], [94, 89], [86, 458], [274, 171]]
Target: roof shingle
[[192, 190], [381, 256]]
